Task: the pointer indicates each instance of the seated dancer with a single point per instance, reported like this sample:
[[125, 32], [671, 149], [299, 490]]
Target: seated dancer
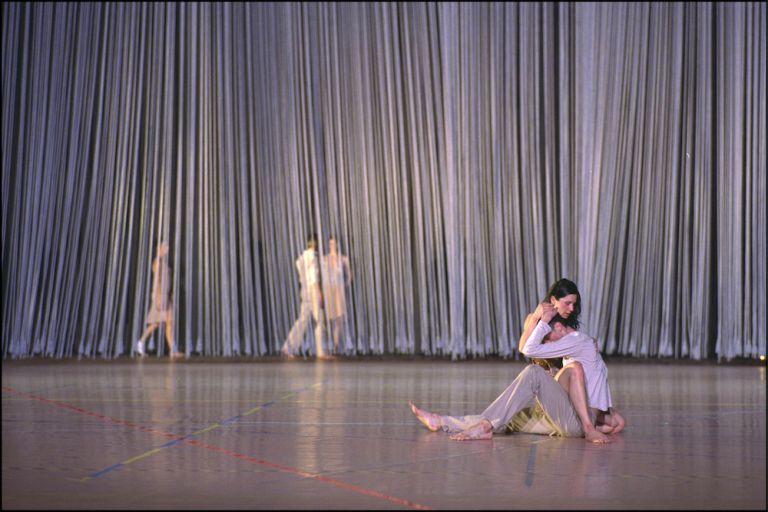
[[581, 353], [532, 385], [553, 412], [563, 302]]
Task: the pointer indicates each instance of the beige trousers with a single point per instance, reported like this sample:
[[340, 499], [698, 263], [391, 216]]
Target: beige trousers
[[311, 307], [534, 403]]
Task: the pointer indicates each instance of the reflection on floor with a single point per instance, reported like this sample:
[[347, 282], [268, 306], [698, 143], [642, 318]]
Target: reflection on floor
[[154, 434]]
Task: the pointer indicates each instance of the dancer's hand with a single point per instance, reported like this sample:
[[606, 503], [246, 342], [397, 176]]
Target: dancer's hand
[[547, 311]]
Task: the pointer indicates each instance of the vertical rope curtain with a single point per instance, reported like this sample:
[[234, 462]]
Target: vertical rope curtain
[[465, 155]]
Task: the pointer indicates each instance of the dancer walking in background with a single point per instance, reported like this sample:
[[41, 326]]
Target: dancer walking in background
[[161, 311], [336, 277], [308, 267]]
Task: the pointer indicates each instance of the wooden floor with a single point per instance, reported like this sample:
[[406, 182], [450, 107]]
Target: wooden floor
[[194, 434]]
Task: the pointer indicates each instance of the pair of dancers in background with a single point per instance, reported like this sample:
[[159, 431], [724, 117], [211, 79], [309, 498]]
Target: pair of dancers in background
[[322, 293]]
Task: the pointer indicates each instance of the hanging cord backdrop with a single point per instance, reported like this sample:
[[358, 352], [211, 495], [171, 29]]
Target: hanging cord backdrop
[[464, 156]]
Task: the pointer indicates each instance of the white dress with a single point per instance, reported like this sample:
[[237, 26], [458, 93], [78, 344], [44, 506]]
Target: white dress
[[334, 283], [162, 301]]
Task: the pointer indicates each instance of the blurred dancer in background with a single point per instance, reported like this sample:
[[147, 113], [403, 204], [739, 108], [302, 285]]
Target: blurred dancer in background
[[336, 277], [161, 311], [308, 267]]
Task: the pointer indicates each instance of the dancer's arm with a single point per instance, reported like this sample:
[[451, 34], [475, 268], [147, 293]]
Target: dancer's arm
[[569, 346], [544, 311]]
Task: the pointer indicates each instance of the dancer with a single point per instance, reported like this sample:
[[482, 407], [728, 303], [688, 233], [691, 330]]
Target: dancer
[[563, 302], [337, 275], [535, 402], [308, 267], [533, 385], [162, 302], [581, 357]]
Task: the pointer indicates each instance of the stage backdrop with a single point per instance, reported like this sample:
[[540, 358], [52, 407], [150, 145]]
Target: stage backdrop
[[466, 155]]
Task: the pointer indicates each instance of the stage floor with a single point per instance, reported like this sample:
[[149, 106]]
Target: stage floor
[[155, 434]]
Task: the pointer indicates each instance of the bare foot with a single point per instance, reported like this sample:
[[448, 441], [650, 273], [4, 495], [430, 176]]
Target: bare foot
[[605, 429], [597, 437], [428, 419], [481, 431], [326, 357], [178, 355], [618, 422]]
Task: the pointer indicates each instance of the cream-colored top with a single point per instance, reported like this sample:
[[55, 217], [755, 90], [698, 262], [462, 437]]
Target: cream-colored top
[[309, 267], [575, 346], [333, 264]]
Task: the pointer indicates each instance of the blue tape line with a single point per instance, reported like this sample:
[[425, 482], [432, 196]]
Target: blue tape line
[[176, 441], [106, 470], [531, 464]]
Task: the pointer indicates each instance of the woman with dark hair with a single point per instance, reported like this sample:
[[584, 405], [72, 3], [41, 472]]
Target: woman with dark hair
[[582, 373], [564, 298]]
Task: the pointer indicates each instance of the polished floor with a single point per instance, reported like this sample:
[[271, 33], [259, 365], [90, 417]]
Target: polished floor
[[155, 434]]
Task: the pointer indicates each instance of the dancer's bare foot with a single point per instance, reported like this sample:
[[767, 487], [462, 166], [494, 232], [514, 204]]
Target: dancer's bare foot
[[286, 354], [480, 431], [605, 429], [428, 419], [178, 355], [326, 357], [597, 437], [615, 421]]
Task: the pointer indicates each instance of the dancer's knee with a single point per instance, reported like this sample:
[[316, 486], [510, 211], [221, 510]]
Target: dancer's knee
[[533, 370], [576, 370]]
